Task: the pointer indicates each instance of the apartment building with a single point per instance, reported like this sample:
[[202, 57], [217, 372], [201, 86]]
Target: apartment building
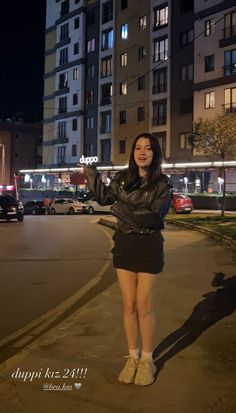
[[117, 68], [20, 147], [214, 58]]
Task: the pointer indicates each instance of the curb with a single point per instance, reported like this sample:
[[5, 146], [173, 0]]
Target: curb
[[216, 235]]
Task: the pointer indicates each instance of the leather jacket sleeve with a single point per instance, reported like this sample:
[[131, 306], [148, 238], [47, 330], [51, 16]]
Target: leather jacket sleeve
[[159, 206], [104, 195]]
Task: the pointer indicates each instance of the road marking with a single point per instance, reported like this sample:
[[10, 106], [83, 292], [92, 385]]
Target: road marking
[[35, 327]]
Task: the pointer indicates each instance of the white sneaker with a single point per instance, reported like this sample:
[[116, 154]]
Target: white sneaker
[[145, 373]]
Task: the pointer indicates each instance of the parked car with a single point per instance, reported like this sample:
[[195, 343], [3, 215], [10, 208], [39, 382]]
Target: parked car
[[181, 203], [66, 206], [34, 208], [11, 208], [93, 207]]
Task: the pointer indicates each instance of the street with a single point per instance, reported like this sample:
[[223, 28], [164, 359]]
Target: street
[[195, 351], [44, 261]]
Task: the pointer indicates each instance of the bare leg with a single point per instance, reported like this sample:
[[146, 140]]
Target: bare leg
[[128, 285], [146, 292]]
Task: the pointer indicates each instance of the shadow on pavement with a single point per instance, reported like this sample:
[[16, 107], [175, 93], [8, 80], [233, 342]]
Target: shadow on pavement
[[215, 306]]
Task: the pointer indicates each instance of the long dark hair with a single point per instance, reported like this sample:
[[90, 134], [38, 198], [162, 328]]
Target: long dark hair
[[154, 171]]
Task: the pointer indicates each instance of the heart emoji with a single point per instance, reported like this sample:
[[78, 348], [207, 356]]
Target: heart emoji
[[78, 385]]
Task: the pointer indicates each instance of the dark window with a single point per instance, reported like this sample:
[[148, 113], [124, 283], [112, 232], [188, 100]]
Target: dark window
[[62, 105], [76, 48], [63, 56], [106, 92], [122, 143], [106, 66], [61, 154], [159, 113], [77, 1], [107, 11], [64, 7], [76, 23], [90, 71], [230, 62], [209, 63], [122, 116], [186, 38], [74, 150], [186, 106], [75, 99], [90, 19], [105, 150], [186, 6], [61, 133], [141, 53], [141, 83], [141, 113], [64, 32], [123, 4], [105, 122], [186, 72], [74, 124], [159, 81]]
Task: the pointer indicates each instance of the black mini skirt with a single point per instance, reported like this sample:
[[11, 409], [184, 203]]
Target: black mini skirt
[[138, 252]]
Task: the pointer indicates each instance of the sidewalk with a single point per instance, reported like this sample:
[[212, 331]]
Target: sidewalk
[[196, 364]]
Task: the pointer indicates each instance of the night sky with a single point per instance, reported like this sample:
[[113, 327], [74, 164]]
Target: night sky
[[22, 25]]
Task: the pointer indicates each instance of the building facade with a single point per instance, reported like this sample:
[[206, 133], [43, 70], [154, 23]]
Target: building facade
[[20, 147], [117, 68]]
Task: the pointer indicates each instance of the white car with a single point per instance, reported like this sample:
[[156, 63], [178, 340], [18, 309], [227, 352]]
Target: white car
[[66, 206], [93, 207]]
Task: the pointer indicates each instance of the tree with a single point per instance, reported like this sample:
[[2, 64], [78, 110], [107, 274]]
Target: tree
[[217, 137]]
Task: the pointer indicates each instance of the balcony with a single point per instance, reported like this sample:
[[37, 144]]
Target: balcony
[[63, 85], [60, 160], [161, 120], [62, 110], [229, 70], [229, 36], [105, 129], [159, 89], [106, 18], [158, 57], [229, 108], [229, 31], [106, 101]]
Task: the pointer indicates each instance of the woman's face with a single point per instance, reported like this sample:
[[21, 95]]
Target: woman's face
[[143, 154]]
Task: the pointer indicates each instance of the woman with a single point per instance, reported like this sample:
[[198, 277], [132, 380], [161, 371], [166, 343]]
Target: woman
[[141, 195]]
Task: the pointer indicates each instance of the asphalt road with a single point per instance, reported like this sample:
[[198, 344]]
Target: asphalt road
[[44, 261]]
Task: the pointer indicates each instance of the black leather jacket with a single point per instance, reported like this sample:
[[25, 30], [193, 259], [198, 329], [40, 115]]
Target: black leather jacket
[[136, 209]]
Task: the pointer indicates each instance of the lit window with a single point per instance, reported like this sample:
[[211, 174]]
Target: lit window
[[123, 59], [160, 17], [123, 88], [91, 45], [160, 49], [143, 23], [209, 100], [210, 27], [75, 74], [124, 31], [184, 142]]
